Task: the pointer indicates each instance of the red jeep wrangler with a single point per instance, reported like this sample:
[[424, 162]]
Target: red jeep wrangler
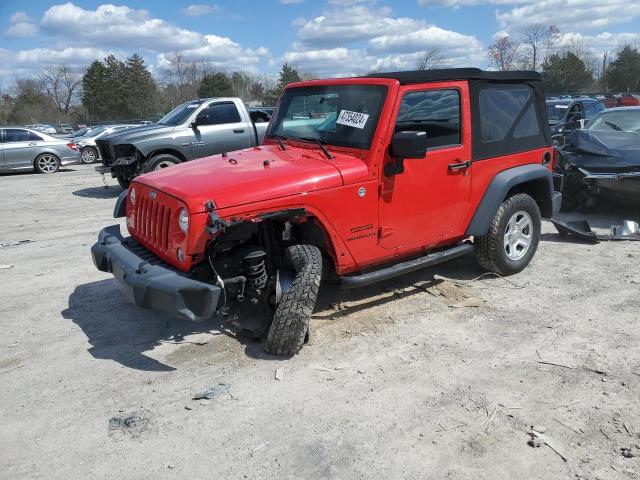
[[358, 179]]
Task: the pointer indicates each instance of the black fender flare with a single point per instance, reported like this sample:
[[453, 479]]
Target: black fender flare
[[119, 210], [504, 182]]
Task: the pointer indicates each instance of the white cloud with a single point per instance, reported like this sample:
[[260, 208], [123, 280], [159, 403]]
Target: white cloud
[[290, 2], [199, 9], [570, 14], [21, 26], [356, 39]]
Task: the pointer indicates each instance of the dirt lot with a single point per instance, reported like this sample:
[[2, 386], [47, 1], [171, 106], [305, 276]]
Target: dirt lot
[[416, 378]]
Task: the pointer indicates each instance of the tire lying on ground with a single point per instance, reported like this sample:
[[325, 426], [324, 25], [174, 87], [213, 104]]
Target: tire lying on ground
[[290, 324], [513, 236]]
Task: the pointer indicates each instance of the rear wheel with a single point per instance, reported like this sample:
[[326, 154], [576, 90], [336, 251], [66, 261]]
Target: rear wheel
[[162, 161], [89, 155], [290, 325], [513, 236], [47, 163]]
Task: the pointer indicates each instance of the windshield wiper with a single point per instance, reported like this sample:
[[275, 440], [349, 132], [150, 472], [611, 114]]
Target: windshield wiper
[[614, 126], [280, 142], [318, 142]]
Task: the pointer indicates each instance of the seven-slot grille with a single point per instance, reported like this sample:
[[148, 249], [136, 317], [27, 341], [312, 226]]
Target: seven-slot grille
[[152, 222]]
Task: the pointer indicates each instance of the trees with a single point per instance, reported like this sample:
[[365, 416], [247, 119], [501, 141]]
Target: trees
[[431, 59], [113, 89], [62, 87], [288, 74], [623, 74], [215, 85], [565, 73], [30, 105], [502, 52], [537, 42]]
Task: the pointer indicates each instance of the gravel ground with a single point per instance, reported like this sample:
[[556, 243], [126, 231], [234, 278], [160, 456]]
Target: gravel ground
[[420, 377]]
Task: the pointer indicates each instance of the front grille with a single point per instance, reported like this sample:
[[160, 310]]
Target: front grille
[[105, 151], [152, 223]]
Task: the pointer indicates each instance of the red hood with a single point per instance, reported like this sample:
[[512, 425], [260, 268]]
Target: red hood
[[243, 178]]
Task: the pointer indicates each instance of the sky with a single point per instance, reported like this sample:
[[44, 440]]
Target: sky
[[320, 37]]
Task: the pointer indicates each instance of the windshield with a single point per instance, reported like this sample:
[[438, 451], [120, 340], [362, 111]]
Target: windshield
[[179, 114], [94, 132], [621, 121], [341, 115], [556, 111]]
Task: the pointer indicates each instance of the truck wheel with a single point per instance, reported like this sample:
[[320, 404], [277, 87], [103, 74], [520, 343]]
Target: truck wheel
[[513, 236], [47, 163], [123, 179], [290, 324], [163, 160], [88, 155]]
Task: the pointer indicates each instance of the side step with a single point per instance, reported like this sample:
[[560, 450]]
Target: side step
[[398, 269]]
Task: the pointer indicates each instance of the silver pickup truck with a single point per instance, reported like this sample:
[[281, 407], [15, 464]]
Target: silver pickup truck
[[195, 129]]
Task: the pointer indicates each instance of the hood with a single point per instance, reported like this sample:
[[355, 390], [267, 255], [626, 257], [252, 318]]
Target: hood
[[254, 175], [136, 134], [604, 150]]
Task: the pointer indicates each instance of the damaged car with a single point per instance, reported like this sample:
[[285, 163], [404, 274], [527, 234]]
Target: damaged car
[[602, 160]]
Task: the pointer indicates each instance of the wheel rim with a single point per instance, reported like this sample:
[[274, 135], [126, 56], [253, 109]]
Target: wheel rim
[[518, 235], [48, 163], [88, 156], [164, 164]]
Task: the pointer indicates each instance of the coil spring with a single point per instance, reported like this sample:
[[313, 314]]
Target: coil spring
[[255, 269]]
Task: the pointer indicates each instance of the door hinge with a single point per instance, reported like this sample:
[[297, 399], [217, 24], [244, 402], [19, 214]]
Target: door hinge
[[386, 231]]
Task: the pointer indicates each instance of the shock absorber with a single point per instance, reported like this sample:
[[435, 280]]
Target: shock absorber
[[255, 269]]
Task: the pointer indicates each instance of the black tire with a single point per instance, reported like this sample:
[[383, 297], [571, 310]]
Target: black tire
[[290, 325], [46, 163], [88, 155], [490, 249], [123, 179], [160, 161]]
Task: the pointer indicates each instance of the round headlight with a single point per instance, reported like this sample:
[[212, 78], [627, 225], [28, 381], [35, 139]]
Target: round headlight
[[132, 196], [183, 220]]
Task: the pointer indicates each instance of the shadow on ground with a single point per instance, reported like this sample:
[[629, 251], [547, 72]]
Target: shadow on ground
[[119, 331], [99, 192]]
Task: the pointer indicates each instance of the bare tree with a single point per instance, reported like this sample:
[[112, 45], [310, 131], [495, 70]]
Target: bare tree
[[62, 87], [503, 52], [430, 60], [537, 40]]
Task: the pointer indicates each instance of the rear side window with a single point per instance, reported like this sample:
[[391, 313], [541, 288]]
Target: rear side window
[[506, 110], [436, 112], [19, 135], [221, 113]]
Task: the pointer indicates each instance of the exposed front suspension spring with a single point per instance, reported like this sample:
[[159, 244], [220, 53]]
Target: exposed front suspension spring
[[255, 269]]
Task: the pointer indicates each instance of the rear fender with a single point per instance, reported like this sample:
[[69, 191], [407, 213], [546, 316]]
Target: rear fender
[[533, 179]]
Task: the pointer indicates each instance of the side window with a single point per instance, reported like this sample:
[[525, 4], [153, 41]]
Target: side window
[[436, 112], [221, 113], [505, 110], [19, 135]]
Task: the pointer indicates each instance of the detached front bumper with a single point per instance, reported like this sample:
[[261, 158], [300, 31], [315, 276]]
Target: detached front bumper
[[153, 286]]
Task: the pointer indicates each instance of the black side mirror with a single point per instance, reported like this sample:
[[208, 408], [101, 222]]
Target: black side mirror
[[201, 119], [409, 144], [576, 116]]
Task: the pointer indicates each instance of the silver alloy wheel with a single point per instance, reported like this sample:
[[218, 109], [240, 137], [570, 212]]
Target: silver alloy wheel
[[47, 163], [518, 235], [88, 155], [164, 164]]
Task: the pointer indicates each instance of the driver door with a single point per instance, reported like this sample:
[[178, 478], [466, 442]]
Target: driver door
[[221, 130], [426, 204]]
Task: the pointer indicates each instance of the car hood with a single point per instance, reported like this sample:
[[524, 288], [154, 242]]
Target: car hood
[[254, 175], [603, 150], [137, 134]]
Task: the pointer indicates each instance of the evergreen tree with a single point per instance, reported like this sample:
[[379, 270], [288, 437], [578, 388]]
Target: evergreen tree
[[215, 85], [565, 73], [623, 74], [141, 91], [95, 89]]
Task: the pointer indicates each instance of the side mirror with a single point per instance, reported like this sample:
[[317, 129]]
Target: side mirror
[[409, 144], [576, 116], [201, 119]]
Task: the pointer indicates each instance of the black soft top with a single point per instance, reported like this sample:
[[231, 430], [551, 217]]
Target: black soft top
[[443, 74]]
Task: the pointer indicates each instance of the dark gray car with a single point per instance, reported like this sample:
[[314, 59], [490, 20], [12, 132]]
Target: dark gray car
[[195, 129], [26, 149]]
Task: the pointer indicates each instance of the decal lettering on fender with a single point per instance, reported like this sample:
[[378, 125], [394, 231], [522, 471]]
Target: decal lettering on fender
[[352, 119]]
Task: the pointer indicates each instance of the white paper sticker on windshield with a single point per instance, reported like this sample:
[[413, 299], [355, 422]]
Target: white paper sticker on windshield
[[352, 119]]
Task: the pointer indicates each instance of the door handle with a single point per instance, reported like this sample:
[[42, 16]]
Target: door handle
[[238, 130], [460, 166]]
